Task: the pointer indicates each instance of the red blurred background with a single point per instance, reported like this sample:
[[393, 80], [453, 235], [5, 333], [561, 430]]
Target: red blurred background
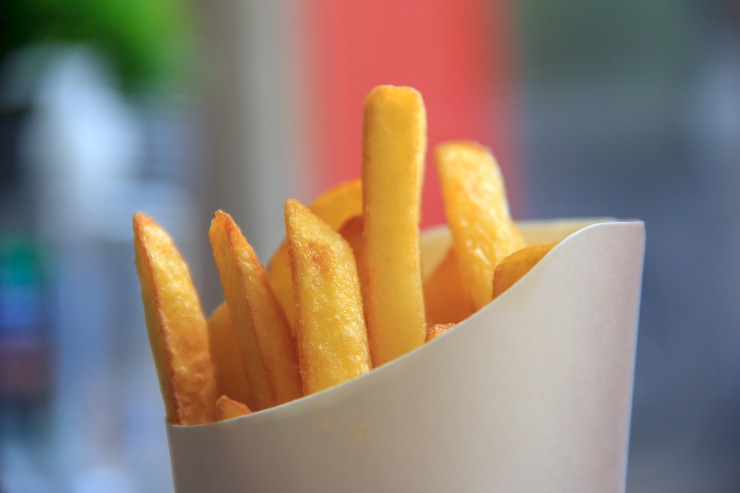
[[459, 55]]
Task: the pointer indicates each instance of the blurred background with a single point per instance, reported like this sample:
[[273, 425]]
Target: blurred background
[[180, 107]]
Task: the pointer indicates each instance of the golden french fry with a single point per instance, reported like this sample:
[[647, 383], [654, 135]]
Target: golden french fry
[[513, 267], [478, 214], [334, 207], [339, 203], [230, 375], [393, 148], [445, 297], [227, 408], [351, 231], [262, 331], [177, 330], [436, 330], [330, 328]]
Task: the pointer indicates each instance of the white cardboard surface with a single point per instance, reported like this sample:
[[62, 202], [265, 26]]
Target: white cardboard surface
[[531, 394]]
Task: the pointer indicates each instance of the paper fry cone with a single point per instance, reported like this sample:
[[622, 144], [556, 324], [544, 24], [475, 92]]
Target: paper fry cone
[[530, 394]]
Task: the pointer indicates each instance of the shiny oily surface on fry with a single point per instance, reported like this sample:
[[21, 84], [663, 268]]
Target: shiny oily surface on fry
[[516, 265], [334, 207], [267, 348], [230, 375], [176, 326], [227, 408], [393, 149], [330, 327], [483, 232]]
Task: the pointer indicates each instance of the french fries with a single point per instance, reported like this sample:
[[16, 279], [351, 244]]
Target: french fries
[[436, 330], [176, 325], [343, 293], [445, 297], [393, 150], [262, 331], [227, 408], [483, 233], [513, 267], [334, 206], [224, 348], [351, 231], [330, 327], [339, 203]]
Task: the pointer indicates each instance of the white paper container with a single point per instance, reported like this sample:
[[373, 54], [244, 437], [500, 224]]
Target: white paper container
[[531, 394]]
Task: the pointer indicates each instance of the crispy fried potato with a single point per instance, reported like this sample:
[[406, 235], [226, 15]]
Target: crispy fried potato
[[483, 233], [267, 347], [227, 408], [334, 207], [339, 203], [445, 297], [393, 149], [513, 267], [178, 335], [436, 330], [351, 231], [330, 328], [230, 375]]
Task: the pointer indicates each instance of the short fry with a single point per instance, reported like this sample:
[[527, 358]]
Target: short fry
[[230, 375], [436, 330], [393, 149], [227, 408], [330, 327], [262, 331], [445, 297], [334, 207], [516, 265], [477, 211], [177, 330]]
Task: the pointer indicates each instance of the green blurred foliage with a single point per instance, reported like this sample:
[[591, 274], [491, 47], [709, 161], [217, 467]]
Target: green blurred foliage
[[150, 42]]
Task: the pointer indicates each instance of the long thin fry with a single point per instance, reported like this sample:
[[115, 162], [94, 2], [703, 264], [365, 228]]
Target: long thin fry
[[483, 233], [330, 328], [393, 149], [176, 326], [266, 345], [334, 207]]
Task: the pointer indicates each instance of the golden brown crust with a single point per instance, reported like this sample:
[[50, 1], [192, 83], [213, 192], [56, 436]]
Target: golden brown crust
[[266, 344], [176, 326], [330, 326], [483, 232], [334, 207], [393, 150]]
